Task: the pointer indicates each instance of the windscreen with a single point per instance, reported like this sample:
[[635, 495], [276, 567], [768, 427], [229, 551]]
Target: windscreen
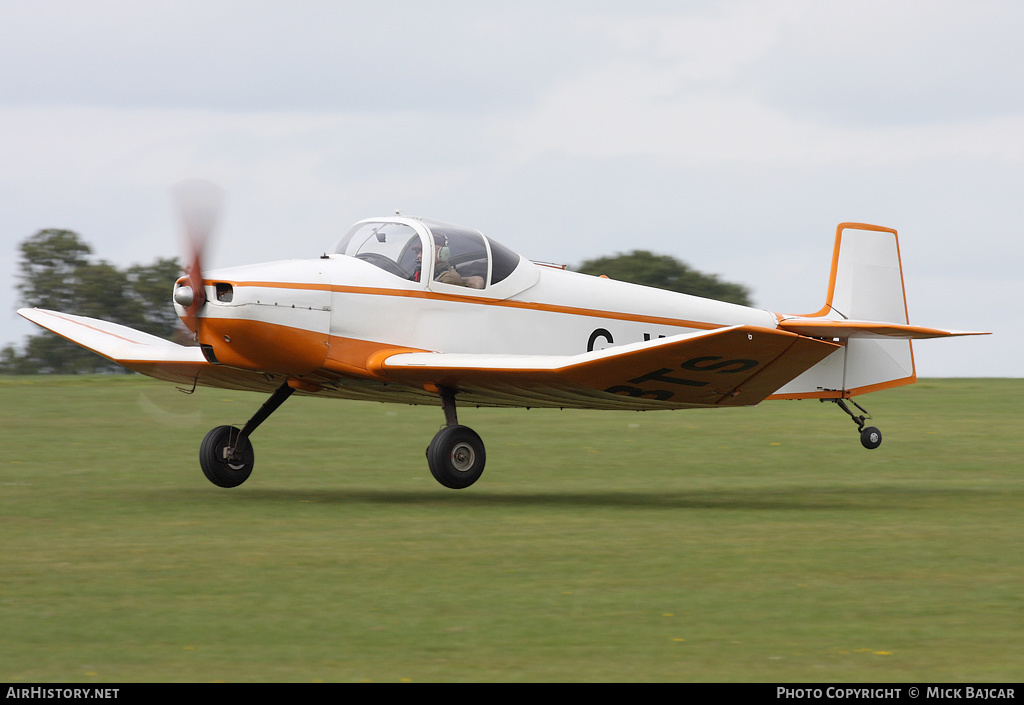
[[393, 247]]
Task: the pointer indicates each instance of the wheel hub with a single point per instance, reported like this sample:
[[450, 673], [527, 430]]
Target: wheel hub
[[229, 457], [463, 457]]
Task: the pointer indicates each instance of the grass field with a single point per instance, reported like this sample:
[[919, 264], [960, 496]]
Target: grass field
[[760, 544]]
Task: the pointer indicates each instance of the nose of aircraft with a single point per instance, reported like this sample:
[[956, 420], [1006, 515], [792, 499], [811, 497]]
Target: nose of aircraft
[[271, 318]]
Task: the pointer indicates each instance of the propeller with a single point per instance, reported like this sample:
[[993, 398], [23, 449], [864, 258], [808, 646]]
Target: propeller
[[199, 205]]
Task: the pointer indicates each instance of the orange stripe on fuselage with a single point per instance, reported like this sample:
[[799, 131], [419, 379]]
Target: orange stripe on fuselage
[[504, 303]]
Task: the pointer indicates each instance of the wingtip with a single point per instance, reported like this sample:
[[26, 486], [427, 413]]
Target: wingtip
[[29, 314]]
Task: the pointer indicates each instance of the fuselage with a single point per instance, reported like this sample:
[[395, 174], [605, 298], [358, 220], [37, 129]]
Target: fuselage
[[299, 317]]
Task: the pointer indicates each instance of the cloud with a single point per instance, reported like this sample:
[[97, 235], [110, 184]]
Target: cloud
[[910, 63], [256, 56]]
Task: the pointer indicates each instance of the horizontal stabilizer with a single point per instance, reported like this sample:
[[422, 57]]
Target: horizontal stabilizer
[[827, 328]]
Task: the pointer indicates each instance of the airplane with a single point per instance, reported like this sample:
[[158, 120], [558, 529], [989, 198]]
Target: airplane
[[415, 311]]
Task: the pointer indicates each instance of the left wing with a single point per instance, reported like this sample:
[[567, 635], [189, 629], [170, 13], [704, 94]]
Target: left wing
[[734, 366]]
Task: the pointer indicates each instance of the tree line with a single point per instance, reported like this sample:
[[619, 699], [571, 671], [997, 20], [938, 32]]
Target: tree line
[[666, 272], [57, 272]]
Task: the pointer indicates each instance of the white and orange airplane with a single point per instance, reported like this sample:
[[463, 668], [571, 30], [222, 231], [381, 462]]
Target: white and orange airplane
[[477, 324]]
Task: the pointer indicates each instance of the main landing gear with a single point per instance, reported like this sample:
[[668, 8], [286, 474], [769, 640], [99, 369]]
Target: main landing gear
[[870, 437], [226, 454], [456, 455]]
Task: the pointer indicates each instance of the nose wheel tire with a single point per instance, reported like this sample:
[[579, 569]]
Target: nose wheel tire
[[220, 469], [456, 457]]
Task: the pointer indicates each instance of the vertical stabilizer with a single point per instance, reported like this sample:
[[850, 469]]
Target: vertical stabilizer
[[867, 278], [866, 284]]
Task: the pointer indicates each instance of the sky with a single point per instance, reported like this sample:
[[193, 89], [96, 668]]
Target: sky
[[733, 135]]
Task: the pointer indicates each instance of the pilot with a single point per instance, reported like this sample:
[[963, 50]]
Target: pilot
[[417, 250], [443, 271]]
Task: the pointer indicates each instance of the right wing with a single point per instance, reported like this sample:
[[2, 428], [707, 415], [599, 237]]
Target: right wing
[[145, 353], [734, 366]]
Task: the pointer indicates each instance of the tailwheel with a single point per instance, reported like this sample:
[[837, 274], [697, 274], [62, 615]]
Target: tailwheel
[[456, 457], [870, 437], [224, 464]]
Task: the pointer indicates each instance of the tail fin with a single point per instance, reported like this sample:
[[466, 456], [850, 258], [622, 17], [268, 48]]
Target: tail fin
[[867, 277], [866, 309]]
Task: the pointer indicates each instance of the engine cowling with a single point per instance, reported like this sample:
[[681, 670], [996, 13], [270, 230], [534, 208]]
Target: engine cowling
[[270, 318]]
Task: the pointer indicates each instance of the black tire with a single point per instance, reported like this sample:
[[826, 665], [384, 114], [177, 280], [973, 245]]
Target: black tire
[[211, 454], [871, 438], [456, 457]]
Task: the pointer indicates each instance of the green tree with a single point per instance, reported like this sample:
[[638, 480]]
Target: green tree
[[57, 274], [149, 285], [666, 272], [51, 264]]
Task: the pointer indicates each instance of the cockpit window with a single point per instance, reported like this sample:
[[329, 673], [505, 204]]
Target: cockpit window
[[392, 247], [504, 261], [460, 256]]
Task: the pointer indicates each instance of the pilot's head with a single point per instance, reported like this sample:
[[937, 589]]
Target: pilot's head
[[441, 252]]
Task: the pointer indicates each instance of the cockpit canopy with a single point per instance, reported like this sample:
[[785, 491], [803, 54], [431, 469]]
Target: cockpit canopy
[[461, 256]]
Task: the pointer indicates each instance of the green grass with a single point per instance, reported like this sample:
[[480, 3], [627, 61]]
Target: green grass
[[759, 544]]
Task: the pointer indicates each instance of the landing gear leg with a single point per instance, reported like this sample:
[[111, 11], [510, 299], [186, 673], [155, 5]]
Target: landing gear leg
[[226, 455], [456, 455], [870, 437]]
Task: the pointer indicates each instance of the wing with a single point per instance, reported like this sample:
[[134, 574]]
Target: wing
[[733, 366], [145, 353]]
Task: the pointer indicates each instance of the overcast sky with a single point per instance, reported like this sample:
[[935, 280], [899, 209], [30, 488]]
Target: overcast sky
[[732, 135]]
